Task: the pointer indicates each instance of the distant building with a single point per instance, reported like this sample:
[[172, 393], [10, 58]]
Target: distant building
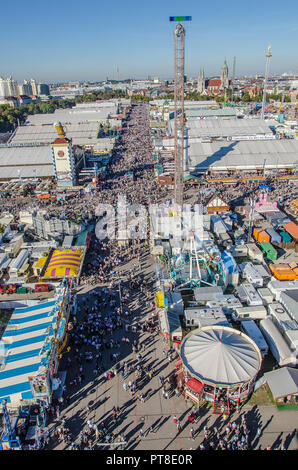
[[214, 85], [11, 100], [224, 76], [201, 82], [43, 89], [8, 87], [25, 99], [25, 88], [34, 87]]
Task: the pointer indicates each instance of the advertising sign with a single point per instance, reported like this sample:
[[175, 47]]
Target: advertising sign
[[39, 386], [251, 137]]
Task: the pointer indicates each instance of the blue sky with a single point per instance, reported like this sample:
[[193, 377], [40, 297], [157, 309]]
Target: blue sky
[[88, 40]]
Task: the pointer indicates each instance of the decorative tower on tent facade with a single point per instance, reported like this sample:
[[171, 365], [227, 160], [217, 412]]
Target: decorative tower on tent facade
[[63, 158], [224, 76]]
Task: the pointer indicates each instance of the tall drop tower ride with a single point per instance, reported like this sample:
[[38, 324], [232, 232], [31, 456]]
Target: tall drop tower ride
[[179, 35], [268, 56]]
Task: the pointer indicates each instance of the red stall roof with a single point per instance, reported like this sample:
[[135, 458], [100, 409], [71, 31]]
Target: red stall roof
[[194, 385], [292, 229]]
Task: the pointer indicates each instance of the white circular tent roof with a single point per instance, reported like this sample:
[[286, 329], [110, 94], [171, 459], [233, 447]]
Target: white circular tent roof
[[220, 355]]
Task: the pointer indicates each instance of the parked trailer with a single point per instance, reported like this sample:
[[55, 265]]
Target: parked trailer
[[255, 312], [269, 250], [266, 295], [283, 272], [274, 236], [287, 325], [225, 239], [261, 235], [278, 346], [18, 262], [13, 187], [4, 187], [252, 275], [250, 328], [254, 252], [9, 186], [248, 294]]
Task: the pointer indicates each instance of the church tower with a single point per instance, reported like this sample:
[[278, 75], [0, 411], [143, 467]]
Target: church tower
[[201, 82], [224, 76]]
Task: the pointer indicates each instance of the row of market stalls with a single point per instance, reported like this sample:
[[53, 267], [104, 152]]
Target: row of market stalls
[[31, 347]]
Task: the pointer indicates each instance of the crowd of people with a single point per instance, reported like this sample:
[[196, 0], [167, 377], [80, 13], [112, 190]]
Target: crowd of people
[[104, 333], [116, 318], [106, 329], [237, 194]]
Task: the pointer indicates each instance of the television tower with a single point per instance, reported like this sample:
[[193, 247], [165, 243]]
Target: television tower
[[268, 56], [179, 34]]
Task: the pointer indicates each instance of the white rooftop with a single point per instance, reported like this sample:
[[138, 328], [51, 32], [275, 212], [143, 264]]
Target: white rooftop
[[80, 133], [228, 127], [220, 355], [243, 155], [26, 159], [73, 115]]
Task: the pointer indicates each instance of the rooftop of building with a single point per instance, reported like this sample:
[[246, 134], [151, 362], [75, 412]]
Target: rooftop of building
[[228, 127], [243, 154], [27, 160], [80, 133]]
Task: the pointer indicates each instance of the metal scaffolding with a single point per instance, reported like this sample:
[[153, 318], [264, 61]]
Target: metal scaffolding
[[179, 34]]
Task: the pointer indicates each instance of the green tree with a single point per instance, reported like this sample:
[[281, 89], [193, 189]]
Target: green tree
[[246, 97], [219, 99]]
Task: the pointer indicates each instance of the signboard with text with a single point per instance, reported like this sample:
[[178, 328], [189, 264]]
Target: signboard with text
[[251, 137]]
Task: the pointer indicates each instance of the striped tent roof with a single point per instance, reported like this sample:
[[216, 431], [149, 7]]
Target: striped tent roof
[[63, 263], [22, 347]]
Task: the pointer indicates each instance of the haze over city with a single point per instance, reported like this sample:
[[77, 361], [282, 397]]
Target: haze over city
[[69, 40]]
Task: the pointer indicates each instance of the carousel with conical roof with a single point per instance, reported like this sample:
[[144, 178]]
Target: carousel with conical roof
[[218, 365]]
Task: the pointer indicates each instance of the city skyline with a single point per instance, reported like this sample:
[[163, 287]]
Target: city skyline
[[126, 41]]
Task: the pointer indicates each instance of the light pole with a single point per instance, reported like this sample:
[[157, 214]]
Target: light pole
[[264, 166], [120, 298], [252, 204]]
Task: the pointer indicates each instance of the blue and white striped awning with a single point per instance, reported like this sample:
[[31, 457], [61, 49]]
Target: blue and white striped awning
[[23, 342]]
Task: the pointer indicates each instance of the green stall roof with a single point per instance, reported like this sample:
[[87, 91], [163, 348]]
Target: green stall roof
[[81, 238], [286, 237]]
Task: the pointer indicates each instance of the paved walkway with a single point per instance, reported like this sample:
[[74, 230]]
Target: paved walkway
[[156, 411]]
